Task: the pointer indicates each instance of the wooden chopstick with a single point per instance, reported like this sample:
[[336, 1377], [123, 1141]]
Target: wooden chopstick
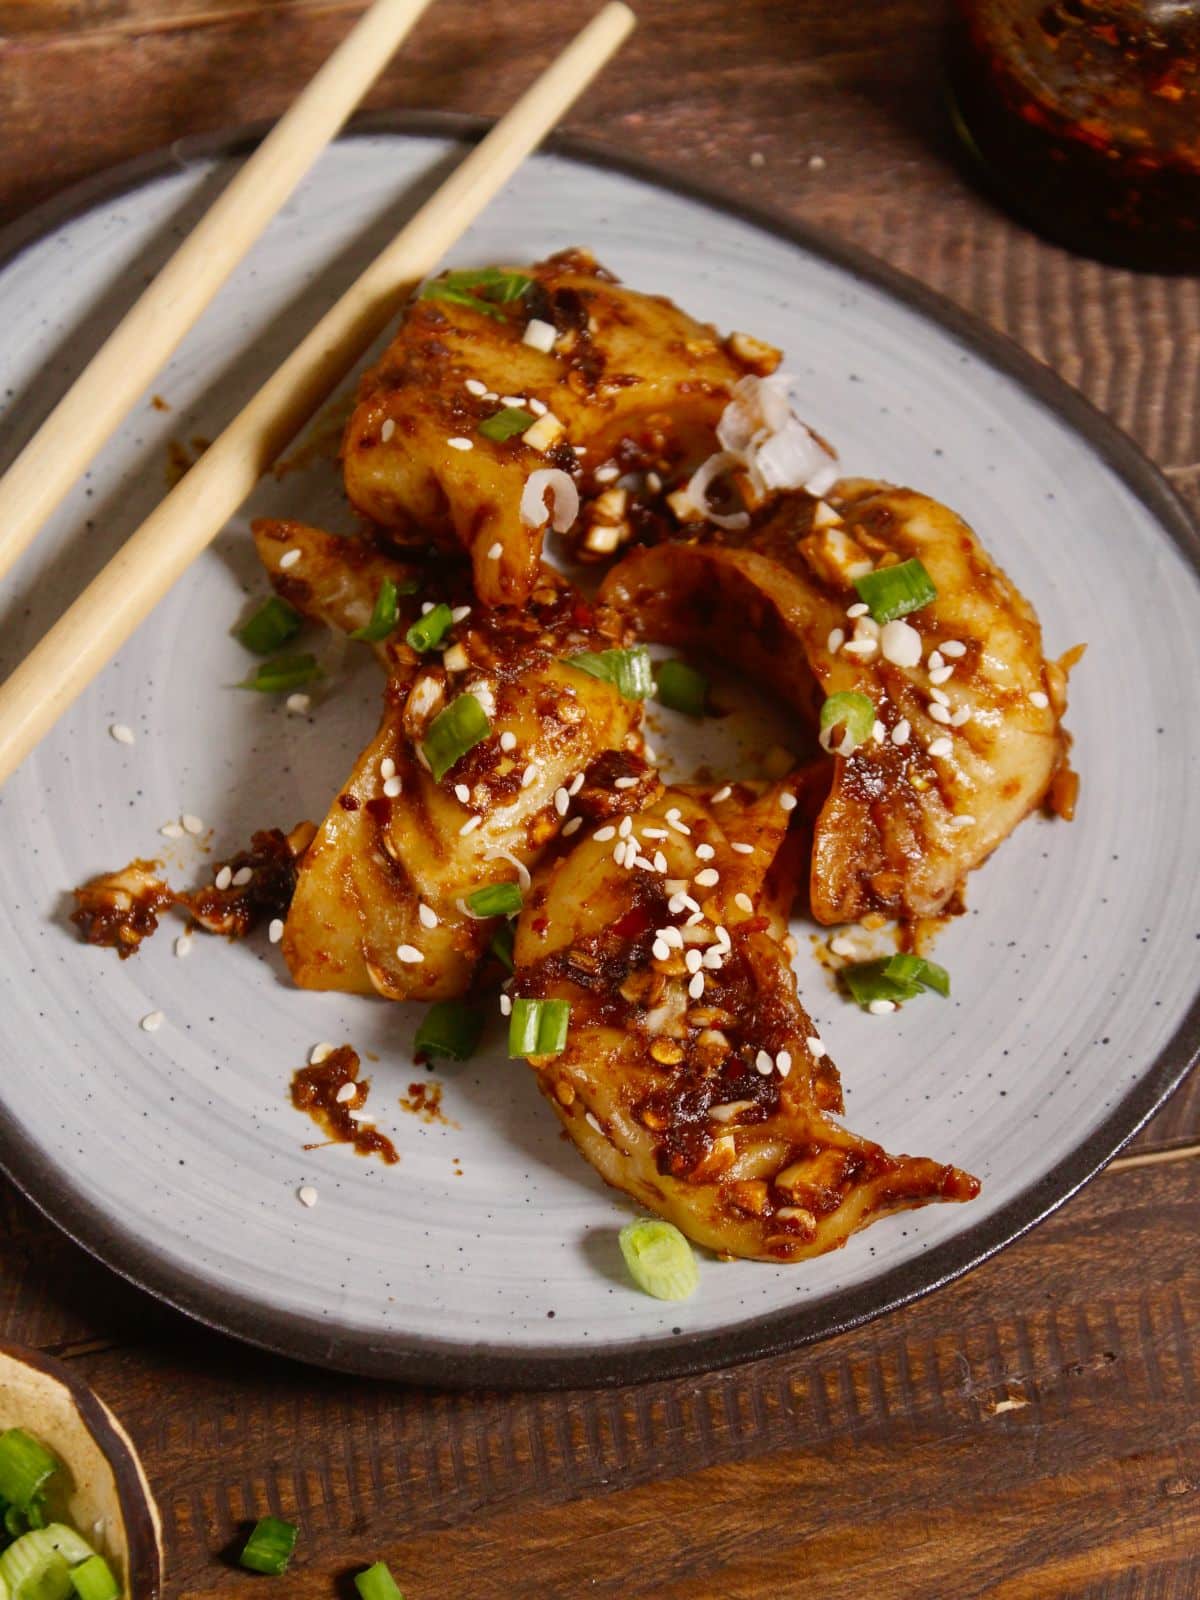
[[142, 342], [93, 629]]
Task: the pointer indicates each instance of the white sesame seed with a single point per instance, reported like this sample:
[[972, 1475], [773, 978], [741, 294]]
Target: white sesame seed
[[935, 662], [655, 833], [428, 916], [603, 835], [183, 945], [783, 1061], [506, 1005], [696, 917], [694, 960], [705, 852], [953, 648], [963, 820], [346, 1092], [660, 862], [660, 950], [508, 740], [638, 861], [538, 407], [319, 1053], [528, 775], [787, 800], [722, 794], [223, 878], [878, 731], [900, 643], [562, 801], [512, 399], [1039, 699], [489, 394], [473, 386], [242, 877], [299, 704], [470, 825], [901, 731], [942, 674], [676, 823], [625, 827], [858, 609], [939, 748], [460, 613], [152, 1021], [880, 1008], [362, 1116], [835, 641], [388, 429], [573, 826], [288, 559], [816, 1047], [593, 1122], [939, 713], [409, 954], [696, 986], [625, 783], [171, 830], [862, 647], [843, 945], [962, 715], [743, 901], [191, 824], [275, 930], [707, 878], [495, 550], [741, 848], [460, 444], [121, 733], [462, 792], [387, 768], [722, 933], [426, 607], [940, 695], [653, 482], [619, 852], [672, 935], [575, 785], [392, 787], [764, 1063], [675, 903], [714, 957], [306, 1195]]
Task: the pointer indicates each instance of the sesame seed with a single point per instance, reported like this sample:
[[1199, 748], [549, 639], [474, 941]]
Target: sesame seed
[[191, 824], [593, 1122], [787, 800], [572, 827], [575, 785], [528, 775], [121, 733], [660, 949], [470, 825], [288, 559], [696, 986], [939, 713], [740, 847], [660, 862], [388, 429], [508, 740], [638, 861], [842, 945], [722, 793], [460, 613], [306, 1195], [705, 852], [608, 473], [152, 1021], [409, 954], [171, 830], [679, 826], [940, 695], [625, 783], [223, 878], [653, 482], [506, 1005], [694, 960], [462, 792], [426, 607], [783, 1061], [743, 901], [696, 917], [714, 958], [676, 903], [672, 935], [346, 1092], [935, 662], [963, 820], [625, 827], [460, 444], [941, 747], [489, 394], [495, 551], [963, 714], [858, 609], [880, 1008], [722, 933], [764, 1063], [242, 877], [392, 787], [275, 930], [538, 407], [707, 878], [835, 641], [862, 647], [428, 916], [878, 731], [319, 1053], [183, 945], [1038, 699], [953, 648], [299, 704], [473, 386], [655, 833], [619, 852], [387, 768], [816, 1047], [900, 643], [603, 835], [562, 801], [901, 731]]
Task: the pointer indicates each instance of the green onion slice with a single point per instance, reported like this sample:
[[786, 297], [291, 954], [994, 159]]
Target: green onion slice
[[628, 670], [283, 673], [896, 978], [895, 591], [386, 613], [482, 289], [377, 1583], [449, 1028], [32, 1569], [496, 900], [659, 1258], [427, 632], [24, 1467], [538, 1027], [269, 1548], [502, 946], [854, 714], [453, 732], [271, 626], [504, 424], [94, 1580], [682, 688]]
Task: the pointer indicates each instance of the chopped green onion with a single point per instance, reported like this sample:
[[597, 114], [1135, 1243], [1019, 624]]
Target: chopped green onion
[[269, 1548], [283, 673], [496, 900], [893, 592], [15, 1523], [538, 1027], [377, 1583], [386, 613], [682, 688], [31, 1570], [24, 1467], [453, 732], [71, 1546], [628, 670], [659, 1258], [449, 1029], [502, 946], [896, 978], [475, 288], [504, 424], [271, 626], [854, 714], [427, 632], [94, 1580]]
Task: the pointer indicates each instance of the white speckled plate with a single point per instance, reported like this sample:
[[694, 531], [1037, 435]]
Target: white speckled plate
[[488, 1255]]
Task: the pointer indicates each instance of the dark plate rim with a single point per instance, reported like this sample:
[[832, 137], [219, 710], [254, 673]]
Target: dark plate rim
[[314, 1340]]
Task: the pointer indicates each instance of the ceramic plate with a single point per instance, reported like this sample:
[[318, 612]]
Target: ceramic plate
[[488, 1255]]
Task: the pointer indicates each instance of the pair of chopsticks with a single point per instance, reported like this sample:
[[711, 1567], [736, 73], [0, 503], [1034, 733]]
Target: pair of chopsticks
[[92, 630]]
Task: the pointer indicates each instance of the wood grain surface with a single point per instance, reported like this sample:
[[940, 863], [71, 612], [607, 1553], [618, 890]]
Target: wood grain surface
[[1031, 1432]]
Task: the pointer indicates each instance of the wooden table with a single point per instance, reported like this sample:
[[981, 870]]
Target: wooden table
[[1030, 1433]]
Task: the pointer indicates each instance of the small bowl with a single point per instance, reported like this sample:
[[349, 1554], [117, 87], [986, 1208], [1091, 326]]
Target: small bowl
[[102, 1489]]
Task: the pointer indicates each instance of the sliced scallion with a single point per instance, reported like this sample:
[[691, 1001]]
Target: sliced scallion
[[31, 1569], [682, 688], [453, 732], [496, 900], [377, 1583], [502, 946], [386, 613], [504, 424], [482, 289], [269, 1548], [25, 1466], [659, 1258], [893, 592], [94, 1580], [538, 1027], [896, 978], [282, 674], [271, 626], [449, 1029], [427, 632], [627, 670], [854, 714]]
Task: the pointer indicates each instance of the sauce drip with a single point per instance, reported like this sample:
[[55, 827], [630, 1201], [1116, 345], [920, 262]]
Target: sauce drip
[[315, 1090]]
